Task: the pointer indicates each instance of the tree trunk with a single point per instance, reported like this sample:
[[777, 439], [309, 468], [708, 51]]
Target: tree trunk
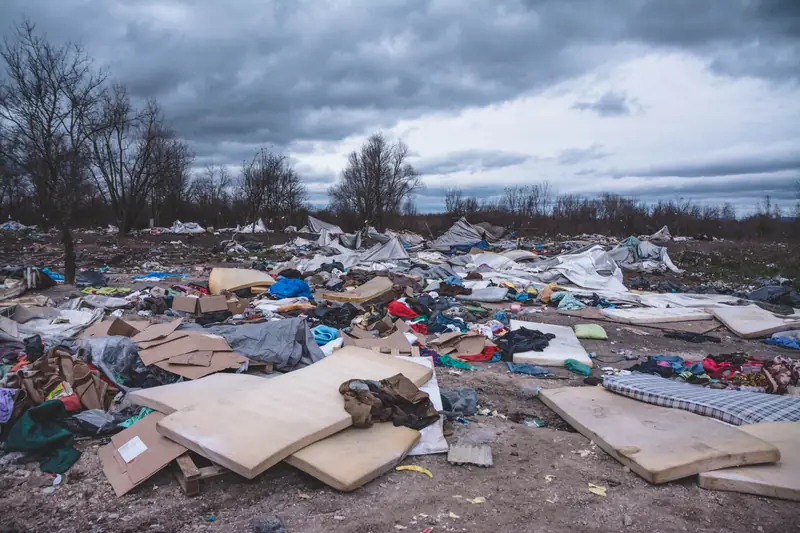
[[69, 255]]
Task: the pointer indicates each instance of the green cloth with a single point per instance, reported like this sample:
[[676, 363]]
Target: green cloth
[[576, 366], [590, 331], [135, 418], [446, 360], [37, 431]]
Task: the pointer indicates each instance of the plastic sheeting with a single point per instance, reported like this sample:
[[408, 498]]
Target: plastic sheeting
[[662, 235], [351, 240], [316, 226], [288, 343], [390, 250], [186, 228], [118, 358], [642, 256], [590, 268], [53, 324], [255, 227], [462, 233]]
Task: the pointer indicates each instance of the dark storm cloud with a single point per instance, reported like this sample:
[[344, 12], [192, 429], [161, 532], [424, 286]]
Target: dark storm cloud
[[611, 104], [719, 188], [469, 161], [252, 73], [763, 163], [573, 156]]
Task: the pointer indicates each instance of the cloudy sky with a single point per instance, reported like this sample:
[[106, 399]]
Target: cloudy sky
[[659, 99]]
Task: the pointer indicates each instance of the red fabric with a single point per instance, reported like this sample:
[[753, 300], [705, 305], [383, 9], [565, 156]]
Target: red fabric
[[715, 370], [22, 362], [485, 355], [419, 327], [402, 310], [72, 402]]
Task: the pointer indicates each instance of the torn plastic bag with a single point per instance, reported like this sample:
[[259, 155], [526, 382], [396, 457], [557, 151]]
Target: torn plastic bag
[[92, 423], [288, 343], [118, 358]]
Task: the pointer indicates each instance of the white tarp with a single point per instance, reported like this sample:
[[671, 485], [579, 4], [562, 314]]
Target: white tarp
[[462, 233], [590, 268], [351, 240], [390, 250], [186, 228], [642, 256], [406, 237], [316, 226], [662, 235], [255, 227]]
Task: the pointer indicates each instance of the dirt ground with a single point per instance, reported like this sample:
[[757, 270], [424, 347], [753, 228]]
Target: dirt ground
[[539, 481]]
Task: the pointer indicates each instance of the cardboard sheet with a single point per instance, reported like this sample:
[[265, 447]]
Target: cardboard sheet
[[170, 398], [779, 480], [374, 288], [144, 452], [656, 315], [751, 322], [109, 328], [171, 337], [218, 361], [192, 358], [249, 431], [565, 346], [395, 344], [157, 331], [658, 443], [233, 279], [190, 343]]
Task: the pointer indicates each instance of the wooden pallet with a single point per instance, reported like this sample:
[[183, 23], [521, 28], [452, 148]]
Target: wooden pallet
[[189, 475]]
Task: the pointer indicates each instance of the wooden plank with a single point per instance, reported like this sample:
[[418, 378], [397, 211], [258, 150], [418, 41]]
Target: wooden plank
[[658, 443], [251, 430], [187, 466], [374, 288], [779, 480]]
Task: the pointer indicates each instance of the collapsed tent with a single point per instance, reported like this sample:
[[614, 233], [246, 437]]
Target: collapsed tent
[[462, 235], [392, 249], [186, 228], [642, 256], [255, 227], [495, 231], [662, 235], [316, 226], [590, 268], [351, 240], [407, 238]]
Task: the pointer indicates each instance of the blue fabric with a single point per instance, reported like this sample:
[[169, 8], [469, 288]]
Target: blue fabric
[[530, 370], [440, 322], [55, 276], [783, 342], [679, 365], [521, 297], [324, 334], [496, 358], [454, 280], [290, 288], [160, 275], [567, 302]]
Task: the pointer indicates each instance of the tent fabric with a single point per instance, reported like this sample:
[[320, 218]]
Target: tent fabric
[[326, 238], [590, 267], [289, 343], [351, 240], [186, 228], [491, 230], [642, 256], [316, 226], [662, 235], [256, 227], [392, 249], [462, 233]]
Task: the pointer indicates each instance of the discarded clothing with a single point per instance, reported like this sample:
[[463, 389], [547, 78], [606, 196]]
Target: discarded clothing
[[395, 398], [446, 289], [290, 288], [337, 316], [158, 276], [143, 412], [324, 334], [567, 302], [528, 369], [696, 338], [577, 367], [6, 404], [486, 355], [782, 373], [783, 342], [523, 340], [400, 309], [38, 431], [446, 360]]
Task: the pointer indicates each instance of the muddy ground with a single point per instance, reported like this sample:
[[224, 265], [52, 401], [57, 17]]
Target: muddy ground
[[539, 481]]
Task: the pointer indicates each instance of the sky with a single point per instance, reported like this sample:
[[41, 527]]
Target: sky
[[656, 99]]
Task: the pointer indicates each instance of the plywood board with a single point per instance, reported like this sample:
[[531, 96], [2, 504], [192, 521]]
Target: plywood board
[[377, 286], [284, 415], [353, 457], [658, 443], [779, 480], [233, 279], [655, 315], [565, 346], [751, 322], [170, 398]]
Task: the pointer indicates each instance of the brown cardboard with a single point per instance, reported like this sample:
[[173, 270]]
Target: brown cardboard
[[187, 304], [190, 343], [237, 306], [162, 340], [395, 344], [108, 328], [458, 344], [219, 361], [157, 331], [160, 452], [192, 358], [210, 304]]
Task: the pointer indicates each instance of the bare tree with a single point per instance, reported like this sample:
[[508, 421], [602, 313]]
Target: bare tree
[[270, 187], [50, 100], [375, 182], [210, 191], [453, 201], [127, 152], [174, 160]]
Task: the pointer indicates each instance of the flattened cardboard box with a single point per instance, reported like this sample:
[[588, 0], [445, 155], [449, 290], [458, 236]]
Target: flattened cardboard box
[[190, 343], [187, 304], [210, 304]]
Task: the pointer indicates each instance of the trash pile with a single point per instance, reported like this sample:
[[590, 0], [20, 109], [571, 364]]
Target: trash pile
[[346, 333]]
